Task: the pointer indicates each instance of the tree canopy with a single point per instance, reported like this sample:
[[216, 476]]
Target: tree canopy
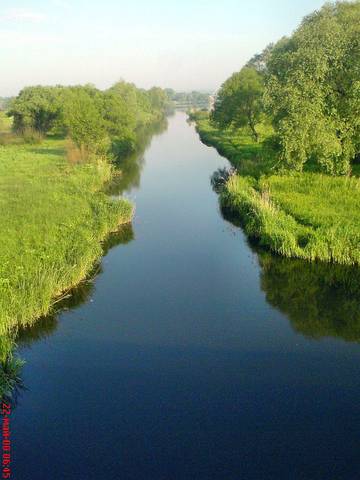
[[313, 89], [308, 86], [239, 101], [95, 120]]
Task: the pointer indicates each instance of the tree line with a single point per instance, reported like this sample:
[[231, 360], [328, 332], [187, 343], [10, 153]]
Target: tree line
[[189, 99], [308, 87], [96, 121]]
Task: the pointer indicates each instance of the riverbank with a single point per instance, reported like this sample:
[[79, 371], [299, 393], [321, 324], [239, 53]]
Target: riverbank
[[305, 215], [54, 218]]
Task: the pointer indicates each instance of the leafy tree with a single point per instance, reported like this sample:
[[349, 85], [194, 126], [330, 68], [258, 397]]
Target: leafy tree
[[158, 99], [36, 108], [239, 102], [313, 89], [83, 121]]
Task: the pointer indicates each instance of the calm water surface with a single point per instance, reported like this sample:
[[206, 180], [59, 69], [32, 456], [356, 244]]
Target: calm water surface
[[192, 355]]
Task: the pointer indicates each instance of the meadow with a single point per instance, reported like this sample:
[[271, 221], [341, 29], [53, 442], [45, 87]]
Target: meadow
[[54, 216], [307, 215]]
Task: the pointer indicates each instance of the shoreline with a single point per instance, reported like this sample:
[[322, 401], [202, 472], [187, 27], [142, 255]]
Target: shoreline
[[295, 215]]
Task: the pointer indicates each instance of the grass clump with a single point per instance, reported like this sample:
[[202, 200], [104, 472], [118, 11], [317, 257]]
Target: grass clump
[[300, 215], [54, 217]]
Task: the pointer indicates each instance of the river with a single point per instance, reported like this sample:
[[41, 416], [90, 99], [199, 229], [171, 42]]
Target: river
[[192, 354]]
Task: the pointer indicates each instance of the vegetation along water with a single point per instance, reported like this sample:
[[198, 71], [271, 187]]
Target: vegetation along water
[[166, 341], [200, 349], [58, 152], [289, 123]]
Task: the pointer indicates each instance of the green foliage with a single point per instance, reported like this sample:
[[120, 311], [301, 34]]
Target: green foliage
[[310, 87], [5, 123], [313, 89], [192, 99], [36, 108], [54, 212], [98, 122], [53, 218], [10, 368], [83, 121], [159, 99], [197, 115], [249, 157], [239, 102]]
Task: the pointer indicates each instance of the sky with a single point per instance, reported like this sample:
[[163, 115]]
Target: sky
[[181, 44]]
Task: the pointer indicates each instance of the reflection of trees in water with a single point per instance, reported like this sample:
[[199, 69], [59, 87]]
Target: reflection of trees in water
[[10, 364], [130, 167], [319, 299]]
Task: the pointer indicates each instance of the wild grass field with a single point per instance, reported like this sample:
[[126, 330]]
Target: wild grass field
[[306, 215], [54, 216]]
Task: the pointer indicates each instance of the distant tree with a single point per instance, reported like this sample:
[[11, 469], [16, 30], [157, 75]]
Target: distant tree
[[239, 102]]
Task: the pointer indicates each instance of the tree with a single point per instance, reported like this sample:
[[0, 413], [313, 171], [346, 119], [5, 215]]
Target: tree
[[239, 102], [312, 89], [158, 99], [83, 121], [37, 108]]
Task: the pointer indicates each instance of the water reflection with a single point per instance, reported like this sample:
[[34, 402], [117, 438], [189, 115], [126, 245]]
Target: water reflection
[[130, 167], [319, 299]]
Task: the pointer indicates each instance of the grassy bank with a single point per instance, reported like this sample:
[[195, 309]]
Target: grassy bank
[[54, 217], [248, 157], [309, 215]]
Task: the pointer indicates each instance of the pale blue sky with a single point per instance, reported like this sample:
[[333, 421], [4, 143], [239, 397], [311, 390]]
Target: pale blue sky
[[183, 44]]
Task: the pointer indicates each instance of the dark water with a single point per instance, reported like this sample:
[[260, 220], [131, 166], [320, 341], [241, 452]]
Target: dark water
[[192, 355]]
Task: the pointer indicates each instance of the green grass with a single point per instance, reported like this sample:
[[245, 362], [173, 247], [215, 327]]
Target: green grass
[[53, 219], [238, 146], [5, 123], [308, 215]]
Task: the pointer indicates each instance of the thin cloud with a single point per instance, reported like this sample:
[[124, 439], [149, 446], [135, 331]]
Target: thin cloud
[[22, 15]]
